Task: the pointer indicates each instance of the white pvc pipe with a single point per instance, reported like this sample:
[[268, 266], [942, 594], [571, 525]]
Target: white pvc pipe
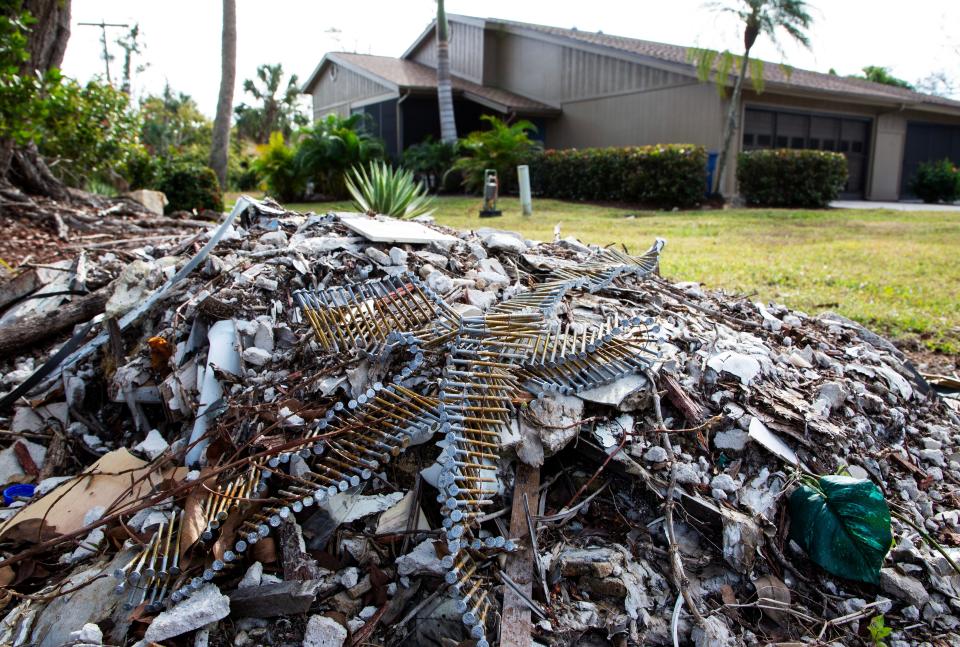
[[224, 355], [526, 200]]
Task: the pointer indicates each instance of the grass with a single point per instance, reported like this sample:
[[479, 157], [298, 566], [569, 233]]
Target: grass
[[897, 272]]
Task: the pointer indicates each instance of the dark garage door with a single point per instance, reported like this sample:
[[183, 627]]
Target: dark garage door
[[927, 142], [788, 129]]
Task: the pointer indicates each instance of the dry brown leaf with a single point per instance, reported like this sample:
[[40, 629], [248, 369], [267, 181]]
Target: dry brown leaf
[[773, 594]]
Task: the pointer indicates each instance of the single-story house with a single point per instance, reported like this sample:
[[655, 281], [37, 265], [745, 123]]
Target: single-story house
[[586, 89]]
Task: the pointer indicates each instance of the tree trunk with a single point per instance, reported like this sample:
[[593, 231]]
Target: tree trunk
[[48, 36], [228, 74], [46, 44], [730, 127], [448, 124]]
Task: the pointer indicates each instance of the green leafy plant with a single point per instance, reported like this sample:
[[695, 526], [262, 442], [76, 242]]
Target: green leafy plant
[[332, 146], [791, 178], [878, 631], [664, 175], [381, 189], [936, 182], [189, 186], [87, 131], [430, 161], [281, 169], [502, 147], [843, 524]]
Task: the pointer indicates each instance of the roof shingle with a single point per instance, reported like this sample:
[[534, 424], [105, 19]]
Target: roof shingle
[[412, 75]]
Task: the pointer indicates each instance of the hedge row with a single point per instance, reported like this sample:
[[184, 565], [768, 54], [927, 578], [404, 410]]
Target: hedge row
[[664, 175], [791, 178]]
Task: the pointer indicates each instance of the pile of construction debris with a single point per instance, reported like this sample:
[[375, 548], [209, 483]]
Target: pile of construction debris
[[334, 429]]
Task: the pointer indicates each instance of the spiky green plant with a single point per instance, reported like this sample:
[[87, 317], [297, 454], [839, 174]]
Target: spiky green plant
[[381, 189]]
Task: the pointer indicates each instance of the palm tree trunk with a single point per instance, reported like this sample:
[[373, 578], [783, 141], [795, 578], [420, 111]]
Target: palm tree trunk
[[228, 74], [730, 127], [448, 125]]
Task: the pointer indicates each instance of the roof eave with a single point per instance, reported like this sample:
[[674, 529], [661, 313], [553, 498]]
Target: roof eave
[[901, 103]]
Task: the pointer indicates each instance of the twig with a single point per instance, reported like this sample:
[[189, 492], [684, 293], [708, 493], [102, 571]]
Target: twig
[[679, 576], [537, 562]]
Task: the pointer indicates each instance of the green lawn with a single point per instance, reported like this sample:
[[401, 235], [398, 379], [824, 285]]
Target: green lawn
[[897, 272]]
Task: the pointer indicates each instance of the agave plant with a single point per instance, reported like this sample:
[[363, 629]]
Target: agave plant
[[381, 189]]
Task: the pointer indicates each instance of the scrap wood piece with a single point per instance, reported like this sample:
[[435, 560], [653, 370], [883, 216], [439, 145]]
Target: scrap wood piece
[[33, 329], [692, 411], [516, 625]]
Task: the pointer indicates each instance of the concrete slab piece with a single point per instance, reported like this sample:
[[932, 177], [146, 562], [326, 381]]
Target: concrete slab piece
[[392, 231]]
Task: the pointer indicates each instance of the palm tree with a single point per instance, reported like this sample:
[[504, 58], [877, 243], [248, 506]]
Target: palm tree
[[279, 105], [448, 126], [759, 17], [228, 75]]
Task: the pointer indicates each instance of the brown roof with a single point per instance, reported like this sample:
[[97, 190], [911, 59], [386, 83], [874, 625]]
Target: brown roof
[[772, 72], [410, 75]]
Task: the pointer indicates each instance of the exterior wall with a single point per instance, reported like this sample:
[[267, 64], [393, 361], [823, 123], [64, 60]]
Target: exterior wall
[[466, 51], [689, 114], [340, 93]]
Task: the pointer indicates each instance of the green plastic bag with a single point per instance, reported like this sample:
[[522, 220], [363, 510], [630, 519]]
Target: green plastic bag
[[843, 524]]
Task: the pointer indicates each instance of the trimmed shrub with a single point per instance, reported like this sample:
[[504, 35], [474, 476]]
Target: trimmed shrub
[[190, 186], [662, 175], [936, 182], [791, 178]]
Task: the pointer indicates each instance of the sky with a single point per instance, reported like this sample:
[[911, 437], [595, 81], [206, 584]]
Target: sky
[[182, 39]]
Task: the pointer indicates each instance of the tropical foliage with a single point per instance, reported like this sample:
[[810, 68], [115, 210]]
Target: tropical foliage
[[759, 18], [332, 146], [882, 75], [277, 109], [430, 161], [282, 173], [378, 188], [174, 125], [501, 147]]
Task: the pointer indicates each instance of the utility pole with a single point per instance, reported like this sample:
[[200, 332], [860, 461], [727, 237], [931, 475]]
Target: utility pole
[[103, 39]]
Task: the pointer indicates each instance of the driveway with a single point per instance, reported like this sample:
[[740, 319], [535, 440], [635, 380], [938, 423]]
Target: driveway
[[895, 206]]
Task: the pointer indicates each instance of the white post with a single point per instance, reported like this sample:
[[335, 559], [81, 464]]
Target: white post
[[526, 202]]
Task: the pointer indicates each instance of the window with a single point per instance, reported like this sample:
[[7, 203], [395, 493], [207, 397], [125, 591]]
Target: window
[[857, 147], [844, 146], [829, 145], [782, 141], [814, 143]]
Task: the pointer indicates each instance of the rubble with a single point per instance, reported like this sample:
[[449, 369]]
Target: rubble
[[356, 428]]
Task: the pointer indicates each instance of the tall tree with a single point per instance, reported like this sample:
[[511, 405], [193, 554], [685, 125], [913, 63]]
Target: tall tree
[[448, 125], [228, 76], [278, 110], [759, 17]]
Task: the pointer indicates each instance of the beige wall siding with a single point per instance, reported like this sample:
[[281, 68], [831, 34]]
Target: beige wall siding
[[589, 75], [531, 68], [466, 51], [889, 134], [347, 87], [690, 114]]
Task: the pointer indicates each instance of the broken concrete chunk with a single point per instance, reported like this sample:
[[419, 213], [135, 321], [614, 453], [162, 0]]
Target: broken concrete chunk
[[324, 632], [744, 367], [422, 560], [590, 562], [555, 419], [615, 393], [207, 605], [256, 356], [271, 600], [153, 445], [347, 507], [731, 439]]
